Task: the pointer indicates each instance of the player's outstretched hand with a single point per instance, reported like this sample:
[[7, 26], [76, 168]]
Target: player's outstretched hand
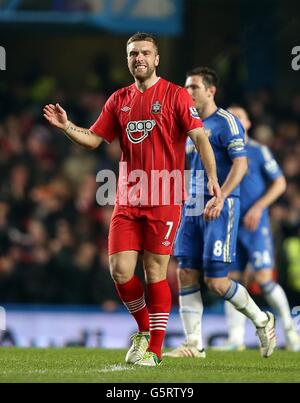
[[213, 208], [252, 218], [56, 116]]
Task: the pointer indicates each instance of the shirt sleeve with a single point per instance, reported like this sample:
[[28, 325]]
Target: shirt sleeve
[[270, 167], [106, 126], [233, 137], [185, 112]]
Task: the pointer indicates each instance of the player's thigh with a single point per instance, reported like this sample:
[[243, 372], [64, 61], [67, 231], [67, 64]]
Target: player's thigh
[[188, 247], [125, 232], [238, 267], [155, 266], [220, 238], [160, 225], [260, 248]]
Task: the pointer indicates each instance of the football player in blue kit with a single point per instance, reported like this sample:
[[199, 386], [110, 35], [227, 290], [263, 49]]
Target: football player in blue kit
[[262, 186], [210, 244]]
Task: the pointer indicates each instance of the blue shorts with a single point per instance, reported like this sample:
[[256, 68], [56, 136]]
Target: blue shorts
[[209, 245], [255, 247]]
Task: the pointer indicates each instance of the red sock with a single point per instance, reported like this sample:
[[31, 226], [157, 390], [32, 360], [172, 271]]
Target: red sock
[[159, 305], [133, 297]]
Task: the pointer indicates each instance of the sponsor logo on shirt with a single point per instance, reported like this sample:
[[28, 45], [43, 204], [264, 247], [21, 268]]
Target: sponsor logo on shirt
[[156, 107], [142, 127]]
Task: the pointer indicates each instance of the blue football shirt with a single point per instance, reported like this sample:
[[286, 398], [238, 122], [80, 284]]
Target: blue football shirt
[[262, 170], [226, 135]]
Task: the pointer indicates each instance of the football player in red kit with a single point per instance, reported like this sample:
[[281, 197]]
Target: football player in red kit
[[151, 119]]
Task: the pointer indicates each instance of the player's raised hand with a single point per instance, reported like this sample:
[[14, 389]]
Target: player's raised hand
[[56, 116], [213, 208]]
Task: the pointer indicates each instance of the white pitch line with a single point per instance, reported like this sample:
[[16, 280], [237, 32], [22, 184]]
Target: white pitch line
[[109, 368], [112, 368]]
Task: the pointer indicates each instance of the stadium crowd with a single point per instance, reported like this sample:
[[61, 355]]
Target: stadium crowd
[[53, 235]]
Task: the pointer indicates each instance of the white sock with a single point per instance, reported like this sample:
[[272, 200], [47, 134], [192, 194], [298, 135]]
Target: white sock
[[191, 311], [239, 297], [276, 298], [236, 323]]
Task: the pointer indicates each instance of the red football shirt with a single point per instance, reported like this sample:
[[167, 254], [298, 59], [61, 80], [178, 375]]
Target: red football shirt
[[152, 128]]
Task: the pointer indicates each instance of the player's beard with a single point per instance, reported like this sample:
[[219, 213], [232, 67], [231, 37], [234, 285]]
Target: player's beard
[[143, 75]]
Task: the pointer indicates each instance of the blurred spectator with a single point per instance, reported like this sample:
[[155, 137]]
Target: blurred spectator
[[264, 135]]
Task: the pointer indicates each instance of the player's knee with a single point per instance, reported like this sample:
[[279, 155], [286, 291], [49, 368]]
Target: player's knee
[[155, 267], [187, 277], [155, 273], [217, 285], [235, 275], [120, 277], [119, 270], [263, 276]]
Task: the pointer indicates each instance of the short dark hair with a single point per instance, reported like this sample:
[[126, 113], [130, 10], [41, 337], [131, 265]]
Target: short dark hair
[[210, 77], [143, 36]]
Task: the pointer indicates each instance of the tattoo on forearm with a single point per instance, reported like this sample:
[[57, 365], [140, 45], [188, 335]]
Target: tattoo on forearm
[[72, 128]]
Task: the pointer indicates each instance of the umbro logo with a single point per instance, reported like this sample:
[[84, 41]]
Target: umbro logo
[[166, 243], [126, 109]]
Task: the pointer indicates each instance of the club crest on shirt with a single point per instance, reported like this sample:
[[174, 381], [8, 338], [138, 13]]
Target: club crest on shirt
[[156, 107]]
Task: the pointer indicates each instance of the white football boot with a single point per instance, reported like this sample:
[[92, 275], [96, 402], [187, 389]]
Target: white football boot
[[149, 359], [267, 336], [186, 350], [138, 348]]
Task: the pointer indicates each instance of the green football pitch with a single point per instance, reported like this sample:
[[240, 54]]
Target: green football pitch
[[106, 366]]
